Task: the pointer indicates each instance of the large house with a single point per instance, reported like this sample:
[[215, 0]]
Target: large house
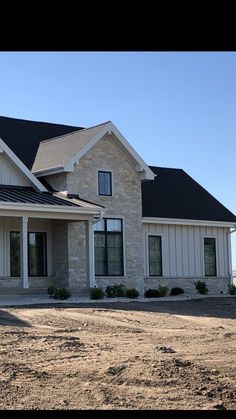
[[80, 208]]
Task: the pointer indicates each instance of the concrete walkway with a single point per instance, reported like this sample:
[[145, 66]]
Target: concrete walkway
[[25, 300]]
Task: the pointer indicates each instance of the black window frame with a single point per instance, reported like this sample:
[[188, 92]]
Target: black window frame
[[46, 255], [206, 264], [107, 233], [110, 183], [149, 261]]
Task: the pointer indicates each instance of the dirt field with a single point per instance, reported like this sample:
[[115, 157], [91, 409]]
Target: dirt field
[[156, 355]]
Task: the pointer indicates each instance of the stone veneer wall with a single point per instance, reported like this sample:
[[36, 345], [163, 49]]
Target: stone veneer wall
[[60, 252], [77, 255], [125, 203], [58, 182]]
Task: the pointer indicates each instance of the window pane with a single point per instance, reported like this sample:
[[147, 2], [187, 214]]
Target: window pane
[[113, 224], [99, 243], [109, 248], [37, 254], [114, 254], [155, 256], [104, 183], [100, 226], [210, 256], [15, 253]]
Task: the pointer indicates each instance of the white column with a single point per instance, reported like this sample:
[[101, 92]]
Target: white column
[[90, 247], [24, 251], [230, 257]]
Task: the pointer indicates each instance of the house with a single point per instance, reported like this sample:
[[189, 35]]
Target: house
[[79, 207]]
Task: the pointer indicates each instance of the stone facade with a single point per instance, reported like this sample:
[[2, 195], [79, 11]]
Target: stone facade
[[77, 253], [60, 252], [58, 182], [124, 203]]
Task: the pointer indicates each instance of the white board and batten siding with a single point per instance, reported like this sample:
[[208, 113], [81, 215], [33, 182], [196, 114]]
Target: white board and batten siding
[[183, 249], [10, 174]]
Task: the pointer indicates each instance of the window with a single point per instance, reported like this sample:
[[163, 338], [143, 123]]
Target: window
[[37, 254], [15, 253], [155, 257], [210, 256], [108, 242], [104, 183]]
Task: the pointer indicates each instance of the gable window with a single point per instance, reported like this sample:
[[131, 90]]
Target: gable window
[[104, 183], [210, 256], [108, 242], [155, 256], [37, 254]]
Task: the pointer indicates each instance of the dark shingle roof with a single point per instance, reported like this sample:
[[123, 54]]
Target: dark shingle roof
[[23, 137], [27, 195], [174, 194]]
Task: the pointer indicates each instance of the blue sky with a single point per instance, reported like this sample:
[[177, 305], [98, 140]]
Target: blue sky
[[177, 109]]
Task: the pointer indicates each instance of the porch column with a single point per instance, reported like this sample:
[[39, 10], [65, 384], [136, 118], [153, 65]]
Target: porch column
[[24, 251], [90, 249]]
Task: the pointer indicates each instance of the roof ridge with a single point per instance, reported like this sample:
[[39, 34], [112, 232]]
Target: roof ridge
[[167, 168], [73, 132]]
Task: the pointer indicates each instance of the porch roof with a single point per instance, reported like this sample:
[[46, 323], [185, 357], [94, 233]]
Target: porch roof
[[27, 195]]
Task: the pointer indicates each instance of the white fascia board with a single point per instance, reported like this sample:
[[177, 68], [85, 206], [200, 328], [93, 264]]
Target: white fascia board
[[49, 171], [108, 128], [51, 208], [44, 211], [179, 221], [48, 215], [35, 182]]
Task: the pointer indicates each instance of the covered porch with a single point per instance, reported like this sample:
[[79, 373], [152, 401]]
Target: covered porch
[[46, 243]]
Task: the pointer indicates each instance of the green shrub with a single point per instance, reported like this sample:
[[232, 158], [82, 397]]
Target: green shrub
[[163, 291], [232, 289], [201, 287], [176, 291], [58, 293], [96, 293], [51, 290], [115, 290], [131, 293], [61, 294], [152, 293]]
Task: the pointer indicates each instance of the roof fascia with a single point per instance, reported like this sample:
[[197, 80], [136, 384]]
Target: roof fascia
[[179, 221], [23, 169]]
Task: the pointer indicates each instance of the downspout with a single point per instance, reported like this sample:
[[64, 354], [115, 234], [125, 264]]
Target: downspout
[[95, 221], [230, 255]]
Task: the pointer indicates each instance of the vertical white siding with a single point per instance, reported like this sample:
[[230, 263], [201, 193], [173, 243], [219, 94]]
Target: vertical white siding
[[178, 246], [1, 248], [165, 250], [183, 249], [9, 174]]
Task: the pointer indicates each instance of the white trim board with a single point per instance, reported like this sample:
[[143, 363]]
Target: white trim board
[[179, 221], [23, 169]]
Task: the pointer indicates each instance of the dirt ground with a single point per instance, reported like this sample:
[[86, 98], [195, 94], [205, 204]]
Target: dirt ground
[[178, 355]]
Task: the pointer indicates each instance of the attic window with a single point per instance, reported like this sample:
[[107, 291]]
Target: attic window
[[104, 183]]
